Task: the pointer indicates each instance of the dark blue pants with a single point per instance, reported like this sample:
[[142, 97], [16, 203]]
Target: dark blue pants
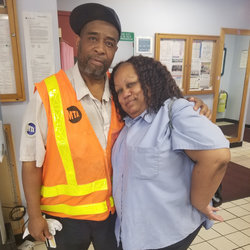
[[185, 243], [78, 234]]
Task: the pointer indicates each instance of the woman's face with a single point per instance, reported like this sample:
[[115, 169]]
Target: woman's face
[[129, 91]]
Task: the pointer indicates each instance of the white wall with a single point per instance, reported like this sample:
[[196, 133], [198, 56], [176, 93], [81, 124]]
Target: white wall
[[12, 113], [198, 17], [147, 17], [144, 18], [234, 77]]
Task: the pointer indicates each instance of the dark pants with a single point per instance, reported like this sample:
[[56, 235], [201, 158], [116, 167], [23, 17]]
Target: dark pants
[[183, 244], [78, 234]]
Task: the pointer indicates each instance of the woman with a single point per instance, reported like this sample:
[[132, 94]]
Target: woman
[[168, 160]]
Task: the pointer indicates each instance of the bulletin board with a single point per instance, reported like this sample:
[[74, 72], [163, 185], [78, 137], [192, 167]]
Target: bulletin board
[[11, 74], [9, 186], [191, 59]]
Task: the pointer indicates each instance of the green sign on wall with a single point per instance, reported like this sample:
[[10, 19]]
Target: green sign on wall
[[127, 36]]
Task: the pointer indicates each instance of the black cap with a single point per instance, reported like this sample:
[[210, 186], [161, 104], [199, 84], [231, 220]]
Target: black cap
[[88, 12]]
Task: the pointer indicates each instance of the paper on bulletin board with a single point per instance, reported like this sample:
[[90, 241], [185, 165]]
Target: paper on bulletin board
[[7, 75], [207, 51], [243, 59], [172, 55], [39, 47]]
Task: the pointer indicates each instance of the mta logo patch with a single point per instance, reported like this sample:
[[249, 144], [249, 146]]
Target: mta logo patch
[[74, 114], [30, 129]]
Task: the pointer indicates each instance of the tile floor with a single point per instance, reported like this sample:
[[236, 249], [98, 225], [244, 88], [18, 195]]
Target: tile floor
[[241, 155], [234, 232]]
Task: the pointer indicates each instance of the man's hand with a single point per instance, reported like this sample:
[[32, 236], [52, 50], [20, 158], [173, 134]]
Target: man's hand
[[198, 103], [38, 228]]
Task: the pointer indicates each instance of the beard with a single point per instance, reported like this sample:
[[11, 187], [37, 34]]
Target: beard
[[86, 68]]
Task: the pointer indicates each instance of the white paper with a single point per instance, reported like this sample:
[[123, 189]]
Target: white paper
[[7, 72], [194, 82], [166, 50], [196, 50], [195, 67], [243, 59], [38, 45], [172, 55], [206, 51]]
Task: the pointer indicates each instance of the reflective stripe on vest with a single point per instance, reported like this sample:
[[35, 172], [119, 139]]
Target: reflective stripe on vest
[[96, 208], [60, 128], [71, 188], [74, 190]]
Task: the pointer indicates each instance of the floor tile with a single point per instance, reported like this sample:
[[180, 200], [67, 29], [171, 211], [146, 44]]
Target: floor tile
[[222, 243], [246, 218], [197, 240], [238, 211], [240, 202], [39, 246], [239, 239], [226, 215], [208, 234], [91, 247], [227, 205], [203, 246], [223, 228], [246, 232], [244, 163], [238, 223], [246, 206]]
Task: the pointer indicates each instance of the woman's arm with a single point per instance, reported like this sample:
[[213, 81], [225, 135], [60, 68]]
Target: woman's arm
[[210, 167]]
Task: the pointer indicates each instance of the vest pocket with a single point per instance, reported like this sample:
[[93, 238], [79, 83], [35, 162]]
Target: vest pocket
[[145, 162]]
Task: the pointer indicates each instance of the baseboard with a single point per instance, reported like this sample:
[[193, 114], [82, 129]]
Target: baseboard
[[227, 120], [235, 144]]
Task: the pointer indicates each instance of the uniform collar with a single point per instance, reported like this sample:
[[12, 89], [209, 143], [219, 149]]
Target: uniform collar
[[81, 88], [145, 116]]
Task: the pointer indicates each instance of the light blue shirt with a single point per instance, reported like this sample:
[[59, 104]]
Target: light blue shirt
[[152, 175]]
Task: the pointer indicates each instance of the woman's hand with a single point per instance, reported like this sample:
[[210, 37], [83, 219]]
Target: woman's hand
[[199, 104], [209, 211]]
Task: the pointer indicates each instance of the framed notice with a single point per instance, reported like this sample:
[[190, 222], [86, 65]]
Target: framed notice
[[191, 60], [144, 45], [11, 74]]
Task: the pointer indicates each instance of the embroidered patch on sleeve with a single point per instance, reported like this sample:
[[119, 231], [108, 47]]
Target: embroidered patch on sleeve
[[30, 129]]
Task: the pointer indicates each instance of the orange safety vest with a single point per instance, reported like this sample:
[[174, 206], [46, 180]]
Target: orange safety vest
[[76, 181]]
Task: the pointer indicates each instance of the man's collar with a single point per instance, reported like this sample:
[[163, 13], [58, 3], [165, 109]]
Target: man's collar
[[81, 88]]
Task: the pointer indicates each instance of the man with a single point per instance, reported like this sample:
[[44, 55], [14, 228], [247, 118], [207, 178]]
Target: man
[[69, 129]]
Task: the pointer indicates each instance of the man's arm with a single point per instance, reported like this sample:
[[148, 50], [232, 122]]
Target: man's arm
[[198, 103], [32, 181], [210, 167]]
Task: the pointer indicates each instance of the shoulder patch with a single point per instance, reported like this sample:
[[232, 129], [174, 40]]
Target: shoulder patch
[[30, 129]]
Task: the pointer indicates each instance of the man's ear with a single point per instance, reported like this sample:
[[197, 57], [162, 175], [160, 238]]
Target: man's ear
[[77, 41]]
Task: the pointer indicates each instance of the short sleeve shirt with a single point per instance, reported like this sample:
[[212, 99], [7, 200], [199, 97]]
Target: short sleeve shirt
[[152, 175], [34, 131]]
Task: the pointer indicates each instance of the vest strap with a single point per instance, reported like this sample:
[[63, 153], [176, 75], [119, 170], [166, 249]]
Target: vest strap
[[95, 208], [60, 128], [73, 190]]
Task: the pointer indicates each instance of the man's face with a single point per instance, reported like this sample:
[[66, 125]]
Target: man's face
[[97, 47]]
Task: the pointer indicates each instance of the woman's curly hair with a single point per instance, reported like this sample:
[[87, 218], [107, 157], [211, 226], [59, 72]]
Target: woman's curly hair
[[156, 82]]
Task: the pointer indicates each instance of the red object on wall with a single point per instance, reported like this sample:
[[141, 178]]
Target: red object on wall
[[68, 34]]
